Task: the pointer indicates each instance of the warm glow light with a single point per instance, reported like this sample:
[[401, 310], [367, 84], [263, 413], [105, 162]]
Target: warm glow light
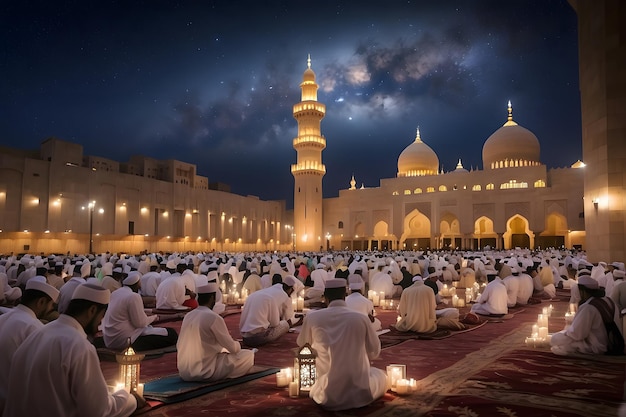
[[243, 220], [25, 230], [167, 237], [47, 231], [35, 201], [199, 237], [305, 237], [101, 211], [144, 210], [187, 214], [165, 214], [146, 235], [230, 220]]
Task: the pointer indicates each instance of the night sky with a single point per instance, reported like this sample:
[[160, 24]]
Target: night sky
[[213, 82]]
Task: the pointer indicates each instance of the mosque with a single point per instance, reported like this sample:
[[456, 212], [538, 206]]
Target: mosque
[[515, 201]]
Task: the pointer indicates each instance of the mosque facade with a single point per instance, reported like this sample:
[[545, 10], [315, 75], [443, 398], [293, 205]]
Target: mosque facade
[[514, 201]]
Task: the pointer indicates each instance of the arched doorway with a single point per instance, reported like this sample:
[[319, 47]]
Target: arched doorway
[[484, 234], [450, 232], [416, 231], [555, 234], [518, 233]]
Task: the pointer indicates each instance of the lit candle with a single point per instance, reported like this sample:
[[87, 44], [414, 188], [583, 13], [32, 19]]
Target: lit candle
[[455, 284], [294, 304], [468, 295], [413, 384], [300, 303], [444, 290], [460, 302], [283, 378], [455, 301], [402, 386], [572, 308], [382, 295], [544, 311], [376, 299], [140, 389], [398, 319], [293, 389], [543, 333]]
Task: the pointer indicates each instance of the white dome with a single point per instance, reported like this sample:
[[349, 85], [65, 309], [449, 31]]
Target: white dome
[[417, 159]]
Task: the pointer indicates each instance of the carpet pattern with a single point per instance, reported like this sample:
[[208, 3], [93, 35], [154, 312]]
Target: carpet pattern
[[394, 336]]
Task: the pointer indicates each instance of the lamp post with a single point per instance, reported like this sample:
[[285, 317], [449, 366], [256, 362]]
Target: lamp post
[[90, 207]]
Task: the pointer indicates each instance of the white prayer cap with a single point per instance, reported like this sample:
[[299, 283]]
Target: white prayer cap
[[170, 264], [588, 282], [356, 285], [335, 283], [90, 292], [418, 278], [618, 273], [43, 286], [85, 269], [207, 288], [320, 265], [117, 270], [289, 280], [132, 278], [94, 280]]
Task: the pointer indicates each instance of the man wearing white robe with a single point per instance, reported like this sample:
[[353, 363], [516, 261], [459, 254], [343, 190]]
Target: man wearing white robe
[[72, 384], [8, 294], [66, 291], [170, 294], [587, 333], [494, 298], [511, 283], [358, 302], [206, 350], [268, 314], [126, 320], [345, 343], [525, 288], [36, 303]]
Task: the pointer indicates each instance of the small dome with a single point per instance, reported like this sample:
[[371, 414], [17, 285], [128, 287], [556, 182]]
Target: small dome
[[417, 159], [511, 146], [459, 168], [308, 75]]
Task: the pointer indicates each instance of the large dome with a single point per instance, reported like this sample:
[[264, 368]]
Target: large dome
[[511, 146], [417, 159]]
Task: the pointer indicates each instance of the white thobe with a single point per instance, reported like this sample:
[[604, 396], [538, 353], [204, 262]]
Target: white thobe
[[357, 302], [345, 343], [170, 293], [7, 292], [265, 308], [201, 343], [526, 288], [512, 289], [619, 294], [150, 283], [125, 318], [15, 327], [493, 300], [382, 282], [417, 309], [72, 384], [586, 334]]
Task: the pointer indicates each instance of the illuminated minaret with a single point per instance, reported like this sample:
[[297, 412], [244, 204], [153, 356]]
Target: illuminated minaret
[[308, 169]]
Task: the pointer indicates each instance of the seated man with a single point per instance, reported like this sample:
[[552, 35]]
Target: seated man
[[357, 302], [171, 294], [587, 333], [126, 320], [494, 298], [345, 337], [418, 310], [203, 339], [268, 313]]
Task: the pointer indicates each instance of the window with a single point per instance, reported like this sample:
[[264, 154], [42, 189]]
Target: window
[[443, 188], [476, 187], [395, 193], [513, 184], [340, 225], [540, 184], [489, 186], [430, 189], [407, 192], [417, 191]]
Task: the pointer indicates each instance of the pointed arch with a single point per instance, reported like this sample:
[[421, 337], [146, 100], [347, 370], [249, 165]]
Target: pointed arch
[[484, 233], [416, 231], [450, 231], [381, 229], [555, 233], [518, 233]]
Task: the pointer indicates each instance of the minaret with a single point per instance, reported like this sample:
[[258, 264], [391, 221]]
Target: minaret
[[308, 169]]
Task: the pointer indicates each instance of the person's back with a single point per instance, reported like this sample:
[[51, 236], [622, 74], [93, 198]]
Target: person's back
[[417, 309], [345, 343], [512, 289], [526, 288], [170, 294]]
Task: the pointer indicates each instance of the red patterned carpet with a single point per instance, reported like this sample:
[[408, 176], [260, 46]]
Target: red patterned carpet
[[484, 372]]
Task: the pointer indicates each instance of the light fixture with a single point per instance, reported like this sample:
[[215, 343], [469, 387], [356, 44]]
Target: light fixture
[[304, 368], [129, 362], [395, 372], [595, 202]]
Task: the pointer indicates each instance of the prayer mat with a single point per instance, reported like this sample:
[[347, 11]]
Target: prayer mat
[[172, 389], [498, 318], [394, 336]]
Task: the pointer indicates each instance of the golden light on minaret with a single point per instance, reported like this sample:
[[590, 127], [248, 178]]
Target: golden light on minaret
[[308, 169]]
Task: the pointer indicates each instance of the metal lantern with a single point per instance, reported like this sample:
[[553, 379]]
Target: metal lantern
[[129, 368], [395, 372], [304, 368]]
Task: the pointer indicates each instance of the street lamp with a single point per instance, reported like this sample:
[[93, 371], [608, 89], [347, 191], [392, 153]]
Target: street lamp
[[91, 206]]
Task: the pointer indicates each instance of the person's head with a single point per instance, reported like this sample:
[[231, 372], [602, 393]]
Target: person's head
[[335, 289], [288, 284], [207, 294], [588, 287], [39, 296], [180, 268], [277, 279], [491, 277], [88, 305], [133, 280]]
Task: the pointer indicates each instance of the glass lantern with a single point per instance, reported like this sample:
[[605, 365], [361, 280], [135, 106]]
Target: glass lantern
[[395, 372], [304, 368], [129, 362]]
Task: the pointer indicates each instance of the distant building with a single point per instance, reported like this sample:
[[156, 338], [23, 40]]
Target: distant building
[[54, 199], [515, 201]]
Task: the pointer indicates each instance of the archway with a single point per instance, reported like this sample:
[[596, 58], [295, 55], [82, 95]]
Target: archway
[[484, 234], [449, 231], [518, 234], [381, 236], [555, 234], [416, 231]]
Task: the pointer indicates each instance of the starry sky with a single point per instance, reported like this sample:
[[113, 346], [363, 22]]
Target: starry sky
[[213, 82]]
